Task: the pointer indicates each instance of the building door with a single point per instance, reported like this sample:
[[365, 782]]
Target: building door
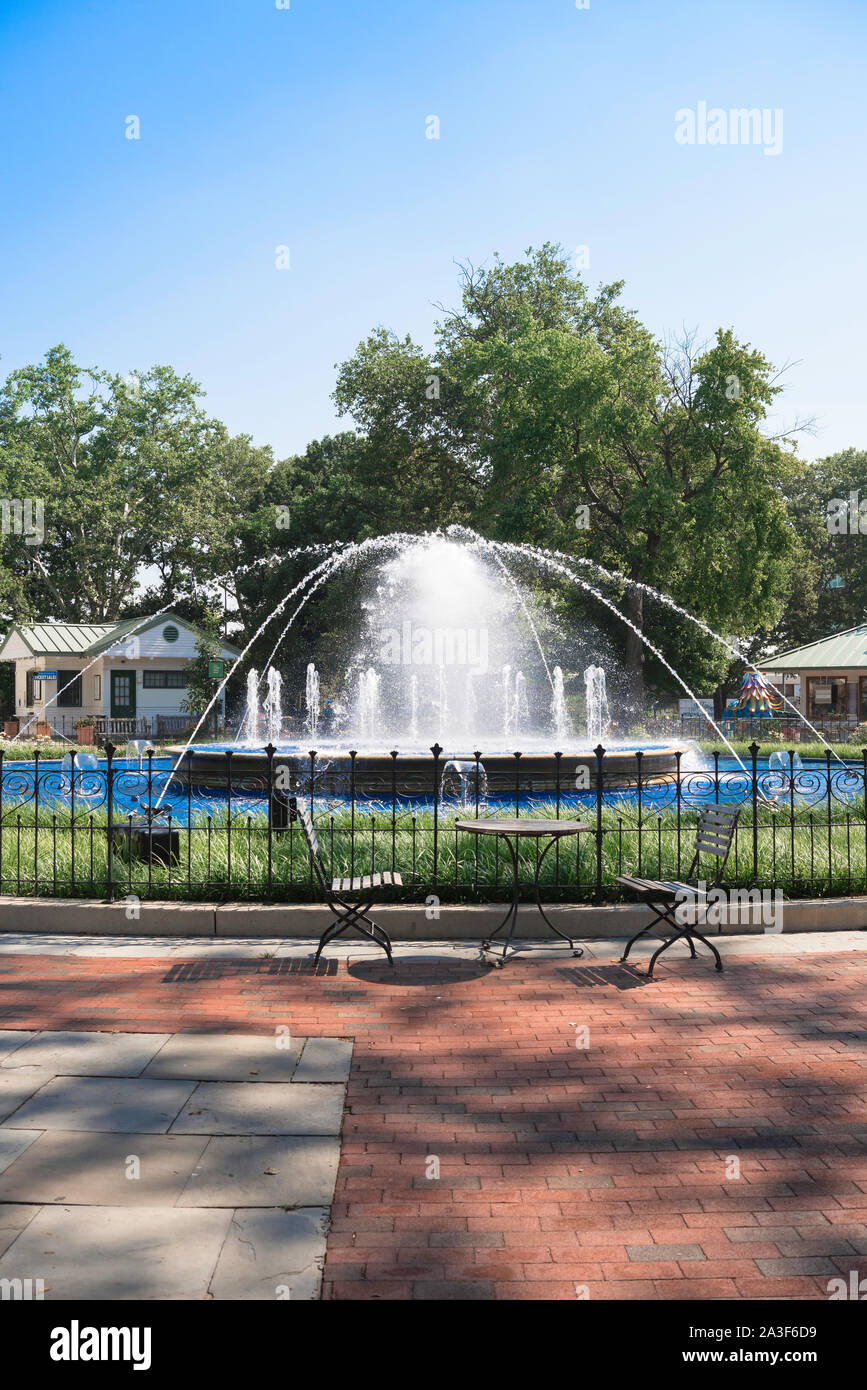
[[123, 694]]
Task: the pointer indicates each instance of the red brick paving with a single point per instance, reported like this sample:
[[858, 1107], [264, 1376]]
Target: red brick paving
[[602, 1168]]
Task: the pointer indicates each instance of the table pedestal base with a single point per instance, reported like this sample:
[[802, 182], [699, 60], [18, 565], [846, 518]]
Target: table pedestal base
[[511, 917]]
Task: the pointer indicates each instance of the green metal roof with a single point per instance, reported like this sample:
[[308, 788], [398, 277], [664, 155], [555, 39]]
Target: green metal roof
[[838, 652], [88, 639], [61, 639]]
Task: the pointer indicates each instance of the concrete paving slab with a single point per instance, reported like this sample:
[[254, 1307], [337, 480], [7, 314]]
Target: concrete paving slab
[[227, 1057], [16, 1087], [226, 1107], [13, 1142], [140, 1253], [272, 1255], [13, 1220], [263, 1171], [12, 1038], [105, 1170], [87, 1054], [805, 939], [108, 1104], [325, 1060]]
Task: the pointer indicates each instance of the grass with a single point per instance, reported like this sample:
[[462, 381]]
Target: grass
[[846, 751], [813, 853]]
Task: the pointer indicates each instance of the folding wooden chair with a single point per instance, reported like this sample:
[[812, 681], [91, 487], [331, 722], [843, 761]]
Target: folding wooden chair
[[715, 835], [365, 890]]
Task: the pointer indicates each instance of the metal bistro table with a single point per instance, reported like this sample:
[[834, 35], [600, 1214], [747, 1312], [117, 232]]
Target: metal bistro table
[[517, 828]]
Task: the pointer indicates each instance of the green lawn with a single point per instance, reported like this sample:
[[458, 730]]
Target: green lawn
[[808, 855]]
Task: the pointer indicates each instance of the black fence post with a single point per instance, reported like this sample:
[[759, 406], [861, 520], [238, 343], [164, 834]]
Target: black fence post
[[792, 812], [190, 755], [36, 825], [353, 754], [393, 754], [600, 754], [557, 770], [638, 756], [830, 826], [863, 791], [754, 754], [269, 754], [109, 807], [229, 752], [437, 753], [678, 755]]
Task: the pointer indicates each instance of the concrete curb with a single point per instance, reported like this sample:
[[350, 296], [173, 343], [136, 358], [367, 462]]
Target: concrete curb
[[129, 917]]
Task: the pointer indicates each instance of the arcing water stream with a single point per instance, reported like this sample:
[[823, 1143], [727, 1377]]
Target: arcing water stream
[[448, 583]]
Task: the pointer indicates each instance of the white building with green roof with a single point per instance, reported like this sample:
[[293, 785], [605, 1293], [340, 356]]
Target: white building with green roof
[[129, 677], [832, 674]]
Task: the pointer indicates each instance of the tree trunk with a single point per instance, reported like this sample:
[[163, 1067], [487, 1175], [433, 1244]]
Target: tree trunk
[[634, 609]]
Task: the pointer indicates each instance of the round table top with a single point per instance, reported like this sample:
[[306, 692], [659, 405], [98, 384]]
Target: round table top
[[522, 826]]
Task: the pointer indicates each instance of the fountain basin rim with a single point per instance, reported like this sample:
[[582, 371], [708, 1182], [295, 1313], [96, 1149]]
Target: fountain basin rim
[[324, 749], [377, 773]]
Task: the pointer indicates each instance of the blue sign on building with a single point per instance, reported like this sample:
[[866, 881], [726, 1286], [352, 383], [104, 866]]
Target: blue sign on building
[[45, 676]]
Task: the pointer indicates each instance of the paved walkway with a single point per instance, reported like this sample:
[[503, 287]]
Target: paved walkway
[[705, 1138], [168, 1166]]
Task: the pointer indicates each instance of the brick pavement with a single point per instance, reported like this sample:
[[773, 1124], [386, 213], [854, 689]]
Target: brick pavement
[[609, 1170]]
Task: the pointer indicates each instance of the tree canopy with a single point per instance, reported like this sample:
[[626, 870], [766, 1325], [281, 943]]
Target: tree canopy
[[543, 412]]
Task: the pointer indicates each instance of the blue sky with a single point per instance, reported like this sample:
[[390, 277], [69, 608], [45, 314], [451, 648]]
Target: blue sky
[[263, 127]]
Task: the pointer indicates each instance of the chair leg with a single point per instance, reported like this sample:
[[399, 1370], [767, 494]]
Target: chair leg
[[354, 915], [636, 937], [661, 916], [711, 947], [678, 936]]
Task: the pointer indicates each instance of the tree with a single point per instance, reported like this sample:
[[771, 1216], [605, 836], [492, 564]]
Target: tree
[[201, 685], [131, 473], [829, 512], [557, 405]]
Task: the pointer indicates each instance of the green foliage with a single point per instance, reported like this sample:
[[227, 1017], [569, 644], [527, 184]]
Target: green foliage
[[829, 592], [552, 399], [131, 473], [200, 685], [538, 398]]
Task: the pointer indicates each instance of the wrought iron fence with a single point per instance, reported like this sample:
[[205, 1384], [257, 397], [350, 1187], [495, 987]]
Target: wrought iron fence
[[122, 828]]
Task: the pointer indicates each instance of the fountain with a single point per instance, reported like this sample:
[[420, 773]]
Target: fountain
[[559, 712], [137, 750], [598, 719], [368, 719], [251, 721], [311, 701], [273, 705], [447, 650]]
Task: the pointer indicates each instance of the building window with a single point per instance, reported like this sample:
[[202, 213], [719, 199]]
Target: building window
[[864, 697], [170, 633], [71, 697], [826, 697], [97, 688], [165, 680], [31, 695]]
